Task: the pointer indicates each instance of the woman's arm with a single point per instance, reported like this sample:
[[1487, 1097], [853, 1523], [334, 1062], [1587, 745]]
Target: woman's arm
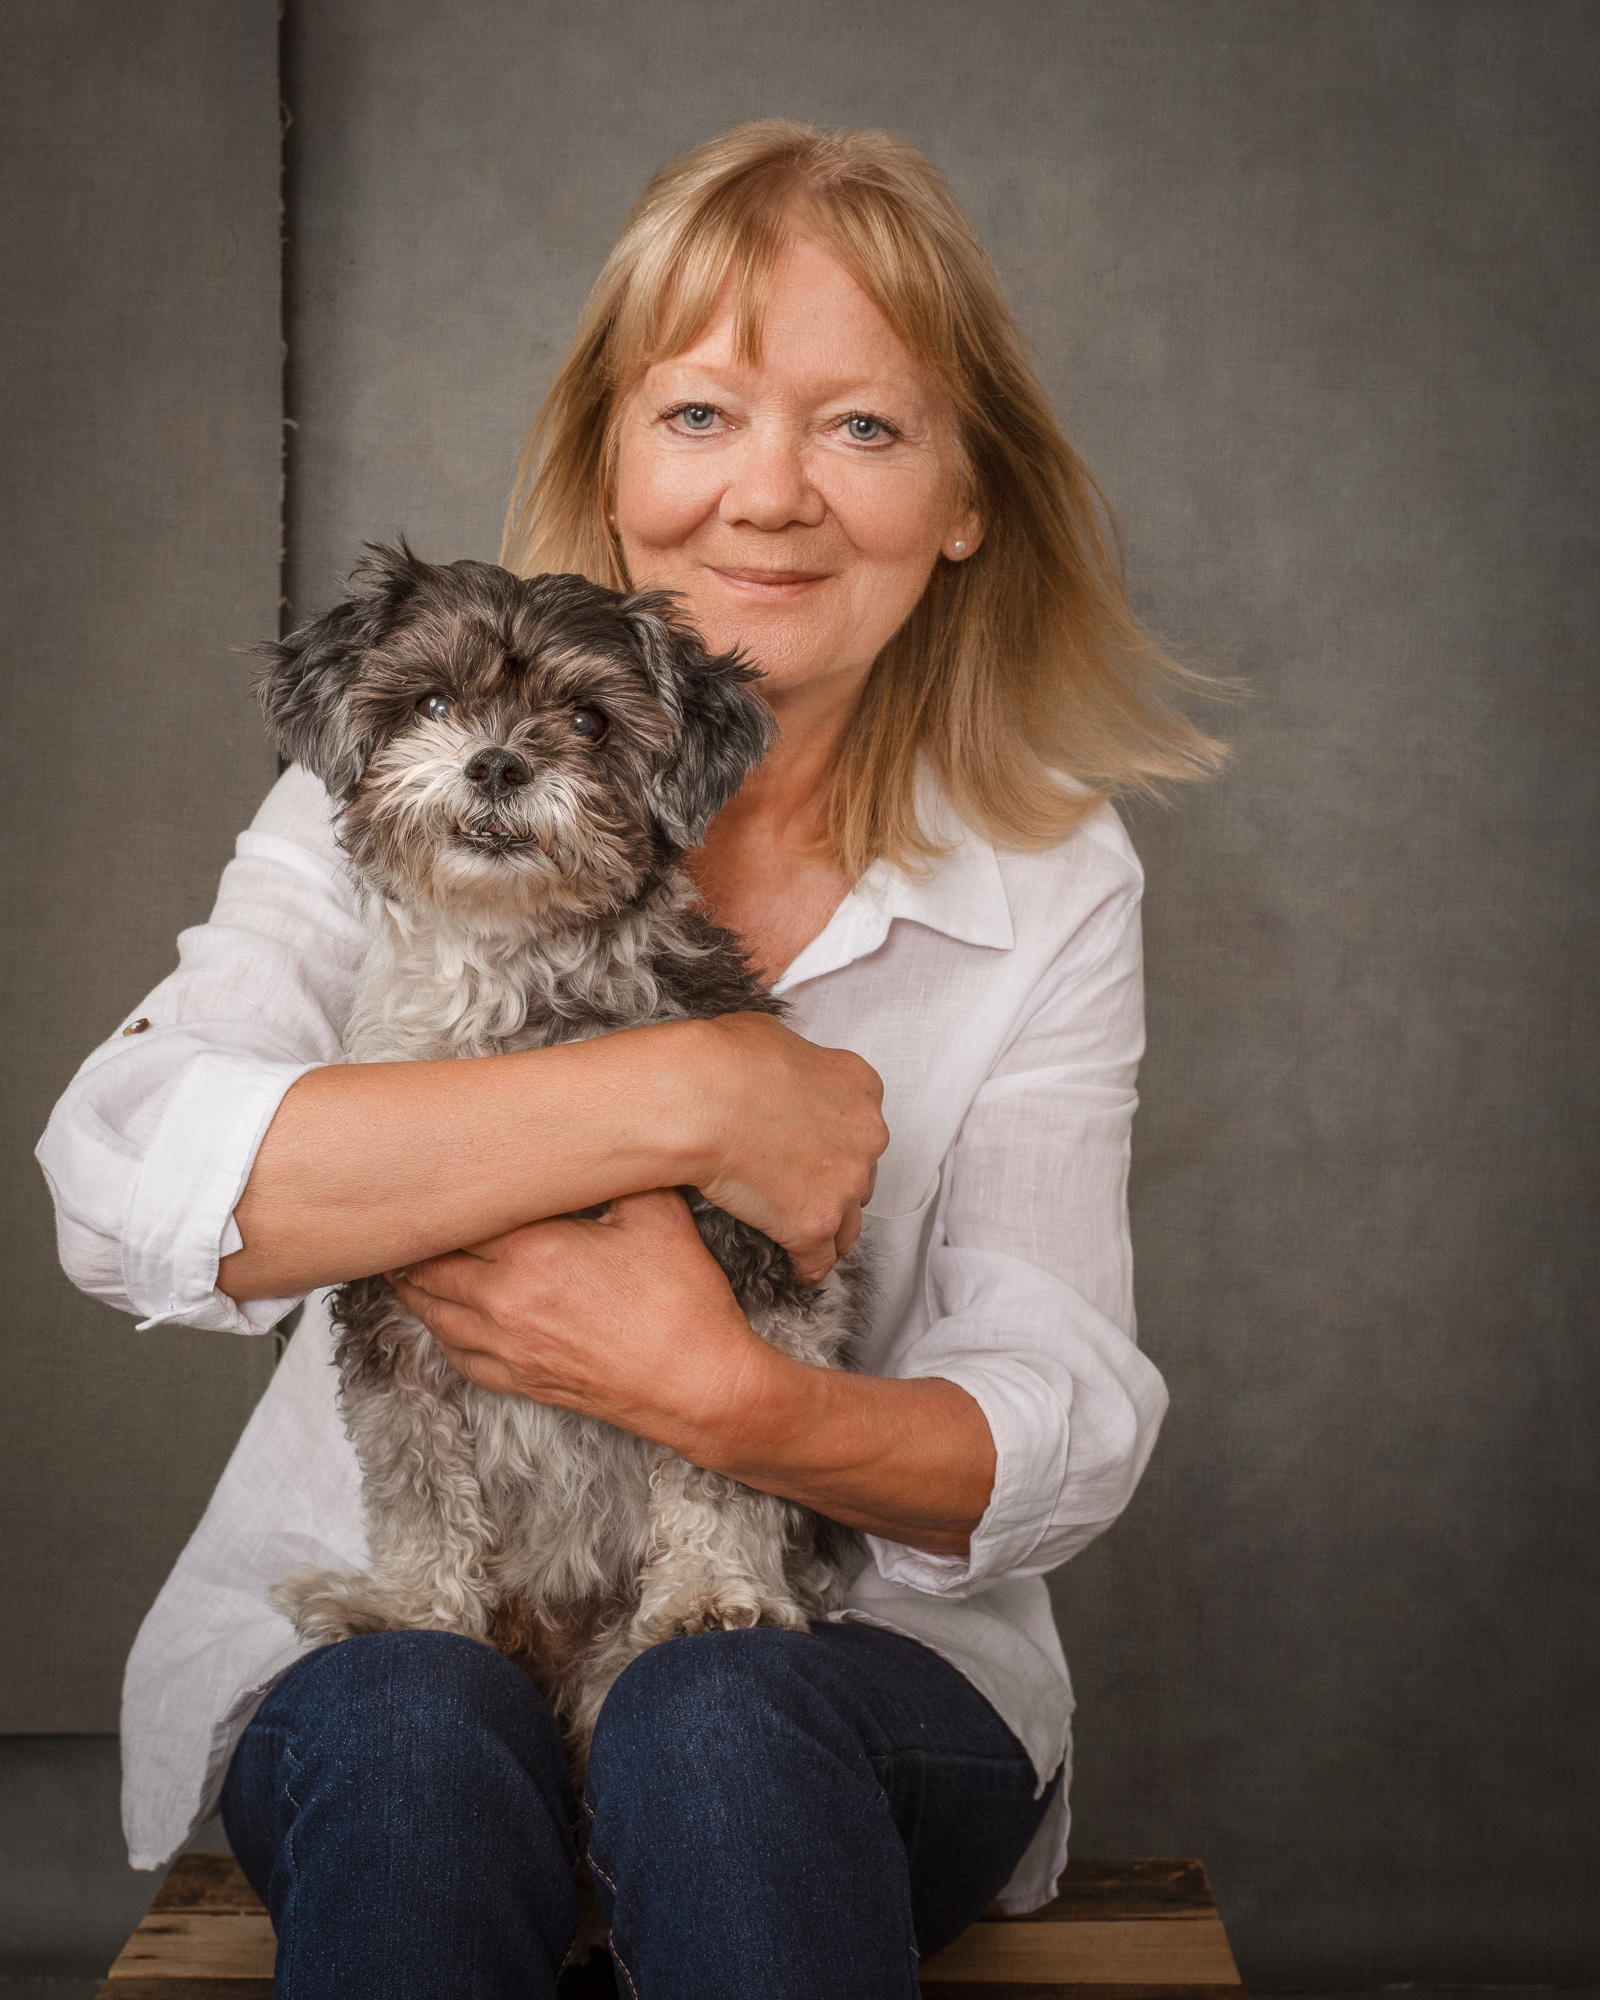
[[222, 1100], [369, 1166], [629, 1318]]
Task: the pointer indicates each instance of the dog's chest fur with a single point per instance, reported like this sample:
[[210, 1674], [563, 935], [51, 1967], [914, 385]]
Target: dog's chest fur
[[443, 982]]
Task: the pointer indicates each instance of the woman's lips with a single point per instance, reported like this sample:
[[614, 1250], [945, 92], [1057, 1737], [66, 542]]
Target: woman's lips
[[770, 583]]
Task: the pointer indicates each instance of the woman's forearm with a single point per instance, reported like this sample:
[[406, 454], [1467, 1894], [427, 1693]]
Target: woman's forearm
[[911, 1461], [367, 1166]]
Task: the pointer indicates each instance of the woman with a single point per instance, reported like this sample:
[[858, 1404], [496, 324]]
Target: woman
[[798, 400]]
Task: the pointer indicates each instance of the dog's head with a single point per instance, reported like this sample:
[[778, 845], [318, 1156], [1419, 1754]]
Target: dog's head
[[535, 742]]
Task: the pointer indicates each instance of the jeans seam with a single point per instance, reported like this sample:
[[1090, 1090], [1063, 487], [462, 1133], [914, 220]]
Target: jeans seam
[[618, 1959], [587, 1811], [284, 1957], [285, 1941], [291, 1766], [595, 1869]]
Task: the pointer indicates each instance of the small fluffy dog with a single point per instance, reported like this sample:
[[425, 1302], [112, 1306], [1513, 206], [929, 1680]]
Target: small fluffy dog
[[520, 766]]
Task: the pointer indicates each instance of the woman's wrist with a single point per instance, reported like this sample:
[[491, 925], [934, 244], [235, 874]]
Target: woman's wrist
[[744, 1416], [689, 1118], [911, 1461]]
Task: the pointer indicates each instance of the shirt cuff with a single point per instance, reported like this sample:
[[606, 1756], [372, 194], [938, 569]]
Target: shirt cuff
[[1030, 1427], [192, 1177]]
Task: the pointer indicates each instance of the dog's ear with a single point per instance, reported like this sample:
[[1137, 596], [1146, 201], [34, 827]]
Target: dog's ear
[[305, 681], [724, 728]]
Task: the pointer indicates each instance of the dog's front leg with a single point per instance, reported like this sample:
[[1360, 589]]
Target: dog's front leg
[[717, 1553], [429, 1533]]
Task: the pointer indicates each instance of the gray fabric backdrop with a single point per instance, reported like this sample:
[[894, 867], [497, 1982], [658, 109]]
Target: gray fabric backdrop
[[140, 535], [1315, 287]]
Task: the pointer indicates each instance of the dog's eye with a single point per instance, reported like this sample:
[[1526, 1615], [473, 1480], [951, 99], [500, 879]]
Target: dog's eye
[[588, 723], [434, 707]]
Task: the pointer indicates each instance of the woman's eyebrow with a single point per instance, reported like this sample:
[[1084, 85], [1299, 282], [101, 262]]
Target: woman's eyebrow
[[737, 379]]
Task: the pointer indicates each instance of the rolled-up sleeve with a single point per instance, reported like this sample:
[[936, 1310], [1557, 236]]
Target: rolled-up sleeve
[[150, 1147], [1030, 1279]]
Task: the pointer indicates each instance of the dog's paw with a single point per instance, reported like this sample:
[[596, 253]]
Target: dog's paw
[[327, 1605], [714, 1604], [313, 1600]]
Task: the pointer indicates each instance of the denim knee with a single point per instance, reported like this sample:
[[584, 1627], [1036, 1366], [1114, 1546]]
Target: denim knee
[[402, 1805], [738, 1836], [674, 1687], [425, 1706], [697, 1701]]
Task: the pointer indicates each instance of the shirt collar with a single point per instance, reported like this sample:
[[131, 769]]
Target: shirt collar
[[960, 893]]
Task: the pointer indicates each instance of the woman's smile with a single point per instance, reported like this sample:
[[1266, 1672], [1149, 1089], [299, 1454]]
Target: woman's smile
[[772, 585]]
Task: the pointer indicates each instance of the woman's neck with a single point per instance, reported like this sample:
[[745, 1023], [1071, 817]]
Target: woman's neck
[[764, 870]]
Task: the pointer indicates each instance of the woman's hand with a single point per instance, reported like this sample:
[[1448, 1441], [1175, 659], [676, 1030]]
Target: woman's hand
[[629, 1318], [793, 1139], [626, 1317]]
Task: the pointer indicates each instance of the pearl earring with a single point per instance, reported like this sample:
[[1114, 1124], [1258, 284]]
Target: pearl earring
[[961, 548]]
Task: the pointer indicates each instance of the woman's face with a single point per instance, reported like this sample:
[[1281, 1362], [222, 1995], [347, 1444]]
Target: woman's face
[[797, 505]]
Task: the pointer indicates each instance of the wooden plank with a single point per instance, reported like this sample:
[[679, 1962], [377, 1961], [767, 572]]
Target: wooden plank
[[1151, 1887], [1143, 1929], [989, 1989], [205, 1882], [1144, 1887], [1183, 1952], [197, 1944], [199, 1989]]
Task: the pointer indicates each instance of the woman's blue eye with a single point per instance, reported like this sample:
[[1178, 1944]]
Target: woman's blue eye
[[866, 430], [697, 416], [434, 707]]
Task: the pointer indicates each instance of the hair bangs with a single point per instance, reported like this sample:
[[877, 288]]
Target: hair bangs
[[733, 235]]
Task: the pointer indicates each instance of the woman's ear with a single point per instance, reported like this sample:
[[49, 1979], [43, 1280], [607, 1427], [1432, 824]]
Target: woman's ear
[[305, 682], [724, 728]]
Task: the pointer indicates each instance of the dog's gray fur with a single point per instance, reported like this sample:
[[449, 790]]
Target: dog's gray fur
[[537, 902]]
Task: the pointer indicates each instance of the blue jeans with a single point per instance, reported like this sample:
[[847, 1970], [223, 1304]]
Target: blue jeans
[[785, 1813]]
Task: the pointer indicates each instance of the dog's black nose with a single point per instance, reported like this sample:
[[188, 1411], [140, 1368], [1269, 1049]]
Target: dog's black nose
[[497, 772]]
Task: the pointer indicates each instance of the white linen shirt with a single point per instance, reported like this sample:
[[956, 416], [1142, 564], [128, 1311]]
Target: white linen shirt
[[999, 997]]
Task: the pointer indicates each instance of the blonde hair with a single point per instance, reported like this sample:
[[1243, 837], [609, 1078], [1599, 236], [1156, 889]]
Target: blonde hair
[[1024, 660]]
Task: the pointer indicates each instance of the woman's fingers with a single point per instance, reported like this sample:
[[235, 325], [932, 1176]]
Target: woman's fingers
[[452, 1321], [468, 1339], [798, 1132], [463, 1336]]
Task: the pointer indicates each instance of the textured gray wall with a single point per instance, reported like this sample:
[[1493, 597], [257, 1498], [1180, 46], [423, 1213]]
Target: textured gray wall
[[139, 341], [1315, 287]]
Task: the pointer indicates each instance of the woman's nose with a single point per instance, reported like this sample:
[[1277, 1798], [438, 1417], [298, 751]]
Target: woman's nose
[[771, 487]]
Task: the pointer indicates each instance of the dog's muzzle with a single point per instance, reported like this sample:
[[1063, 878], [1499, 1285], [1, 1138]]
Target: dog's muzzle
[[496, 775]]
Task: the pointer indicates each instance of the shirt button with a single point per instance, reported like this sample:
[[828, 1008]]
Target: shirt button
[[136, 1027]]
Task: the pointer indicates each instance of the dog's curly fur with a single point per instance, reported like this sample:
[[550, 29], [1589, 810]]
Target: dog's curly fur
[[519, 766]]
